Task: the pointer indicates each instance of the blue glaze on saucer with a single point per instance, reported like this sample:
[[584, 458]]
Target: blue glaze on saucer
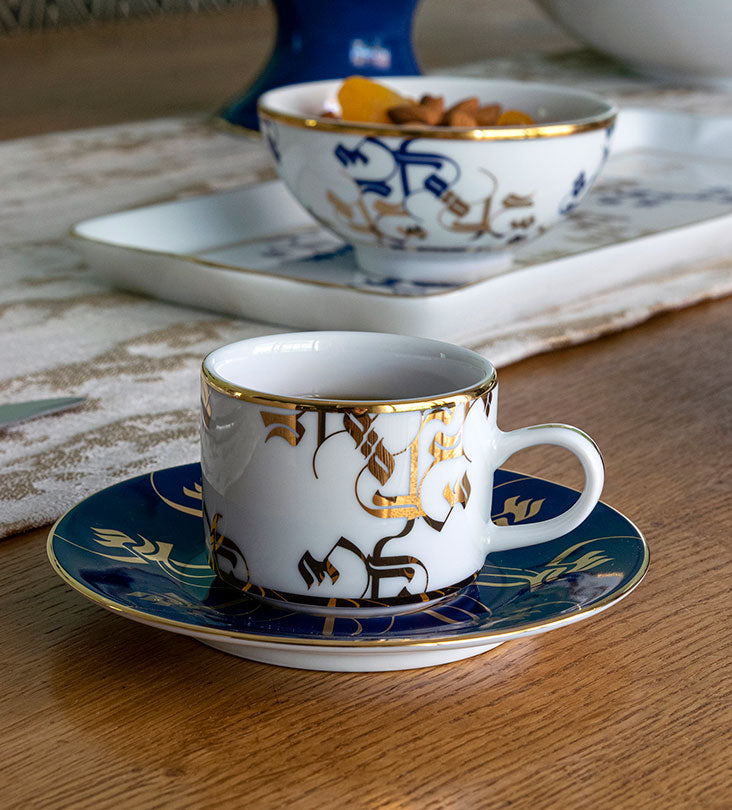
[[139, 547]]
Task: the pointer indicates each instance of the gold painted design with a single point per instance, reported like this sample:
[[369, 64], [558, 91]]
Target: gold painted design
[[312, 570], [518, 510], [481, 608], [487, 211], [381, 464], [497, 133], [285, 425], [441, 617], [221, 548], [377, 565], [195, 492], [475, 217], [556, 568], [141, 551]]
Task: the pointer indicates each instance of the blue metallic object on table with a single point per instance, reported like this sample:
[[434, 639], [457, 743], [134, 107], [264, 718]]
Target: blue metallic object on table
[[322, 39]]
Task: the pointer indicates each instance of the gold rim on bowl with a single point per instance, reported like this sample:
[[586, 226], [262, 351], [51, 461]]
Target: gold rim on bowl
[[496, 133], [550, 129]]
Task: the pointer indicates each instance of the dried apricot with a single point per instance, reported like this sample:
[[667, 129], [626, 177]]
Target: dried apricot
[[364, 100], [514, 117]]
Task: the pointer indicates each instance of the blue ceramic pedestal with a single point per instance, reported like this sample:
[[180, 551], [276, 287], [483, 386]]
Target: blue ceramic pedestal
[[330, 39]]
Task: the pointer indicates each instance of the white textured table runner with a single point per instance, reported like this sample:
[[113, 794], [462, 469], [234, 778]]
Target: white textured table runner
[[136, 360]]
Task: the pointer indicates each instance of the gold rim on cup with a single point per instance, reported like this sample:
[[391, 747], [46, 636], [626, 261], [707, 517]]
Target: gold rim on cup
[[362, 406]]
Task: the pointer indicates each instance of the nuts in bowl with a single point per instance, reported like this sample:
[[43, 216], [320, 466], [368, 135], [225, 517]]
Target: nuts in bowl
[[369, 101], [443, 201]]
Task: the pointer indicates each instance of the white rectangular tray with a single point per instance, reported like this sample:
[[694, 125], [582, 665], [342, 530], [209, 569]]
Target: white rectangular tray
[[664, 200]]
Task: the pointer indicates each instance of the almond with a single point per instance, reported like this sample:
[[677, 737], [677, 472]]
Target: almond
[[407, 114], [433, 106], [467, 105], [488, 116], [458, 118]]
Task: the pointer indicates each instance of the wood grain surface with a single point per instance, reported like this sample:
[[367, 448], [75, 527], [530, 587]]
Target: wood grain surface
[[630, 709]]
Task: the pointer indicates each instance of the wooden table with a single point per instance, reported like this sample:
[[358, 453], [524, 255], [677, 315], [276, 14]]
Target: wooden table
[[628, 709]]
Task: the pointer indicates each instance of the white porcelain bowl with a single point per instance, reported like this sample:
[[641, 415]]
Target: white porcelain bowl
[[682, 41], [435, 203]]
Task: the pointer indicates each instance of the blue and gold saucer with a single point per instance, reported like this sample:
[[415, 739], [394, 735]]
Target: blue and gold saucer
[[137, 549]]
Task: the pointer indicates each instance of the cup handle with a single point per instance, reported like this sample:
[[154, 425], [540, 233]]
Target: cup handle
[[503, 538]]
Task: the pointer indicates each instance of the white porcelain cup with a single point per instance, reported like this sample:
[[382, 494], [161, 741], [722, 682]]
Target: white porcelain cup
[[351, 473]]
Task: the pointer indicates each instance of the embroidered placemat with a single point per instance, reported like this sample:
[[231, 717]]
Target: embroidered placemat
[[136, 360]]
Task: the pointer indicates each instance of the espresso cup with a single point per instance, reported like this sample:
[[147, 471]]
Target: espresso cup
[[351, 473]]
